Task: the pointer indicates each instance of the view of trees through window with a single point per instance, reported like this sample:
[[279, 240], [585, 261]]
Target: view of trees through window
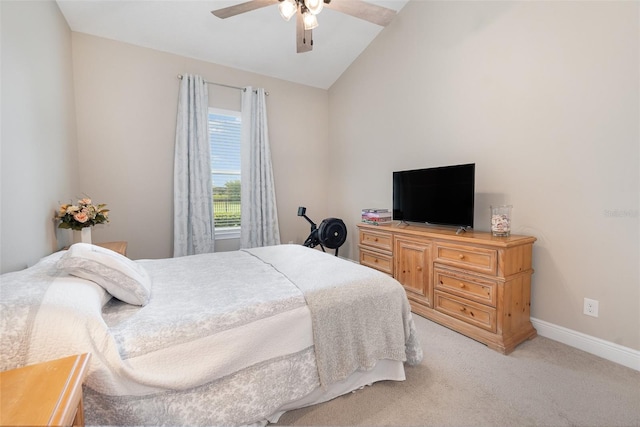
[[226, 204], [224, 140]]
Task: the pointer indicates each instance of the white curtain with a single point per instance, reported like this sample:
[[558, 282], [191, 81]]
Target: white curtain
[[193, 231], [259, 215]]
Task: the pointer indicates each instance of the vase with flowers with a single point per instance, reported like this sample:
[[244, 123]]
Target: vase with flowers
[[81, 217]]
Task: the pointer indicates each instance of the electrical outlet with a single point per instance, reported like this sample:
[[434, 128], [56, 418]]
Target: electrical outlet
[[590, 307]]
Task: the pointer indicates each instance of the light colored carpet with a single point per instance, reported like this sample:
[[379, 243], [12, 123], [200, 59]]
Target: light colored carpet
[[463, 383]]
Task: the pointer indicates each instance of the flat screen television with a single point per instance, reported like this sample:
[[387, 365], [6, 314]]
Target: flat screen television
[[441, 195]]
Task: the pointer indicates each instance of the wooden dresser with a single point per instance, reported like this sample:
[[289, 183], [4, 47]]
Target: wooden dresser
[[44, 394], [473, 282]]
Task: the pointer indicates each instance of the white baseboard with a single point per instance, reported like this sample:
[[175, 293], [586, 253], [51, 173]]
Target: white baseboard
[[607, 350]]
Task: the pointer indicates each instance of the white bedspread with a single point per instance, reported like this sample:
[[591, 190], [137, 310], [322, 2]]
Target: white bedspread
[[225, 339]]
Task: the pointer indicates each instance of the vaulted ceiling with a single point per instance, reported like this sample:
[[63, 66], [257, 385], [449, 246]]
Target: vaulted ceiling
[[259, 41]]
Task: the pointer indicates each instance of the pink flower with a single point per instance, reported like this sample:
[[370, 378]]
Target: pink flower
[[81, 217]]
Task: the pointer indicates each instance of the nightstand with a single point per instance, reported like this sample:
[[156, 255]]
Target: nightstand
[[120, 247], [45, 394]]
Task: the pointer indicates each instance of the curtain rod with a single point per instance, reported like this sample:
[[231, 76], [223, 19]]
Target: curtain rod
[[224, 85]]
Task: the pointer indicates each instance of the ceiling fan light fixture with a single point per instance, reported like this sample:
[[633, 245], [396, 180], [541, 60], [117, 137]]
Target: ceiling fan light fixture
[[310, 21], [287, 9], [314, 6]]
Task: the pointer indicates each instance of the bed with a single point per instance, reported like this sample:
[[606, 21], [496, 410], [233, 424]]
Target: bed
[[231, 338]]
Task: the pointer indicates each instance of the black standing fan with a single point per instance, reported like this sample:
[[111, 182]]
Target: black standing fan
[[331, 233]]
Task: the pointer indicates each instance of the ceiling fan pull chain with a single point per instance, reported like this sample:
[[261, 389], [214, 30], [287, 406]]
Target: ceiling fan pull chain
[[304, 37]]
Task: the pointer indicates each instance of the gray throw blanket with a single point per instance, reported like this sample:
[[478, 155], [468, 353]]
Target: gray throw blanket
[[359, 315]]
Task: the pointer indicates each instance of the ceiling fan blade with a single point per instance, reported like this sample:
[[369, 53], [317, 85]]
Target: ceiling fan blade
[[304, 38], [360, 9], [227, 12]]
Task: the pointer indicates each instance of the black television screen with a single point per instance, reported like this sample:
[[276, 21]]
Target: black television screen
[[442, 195]]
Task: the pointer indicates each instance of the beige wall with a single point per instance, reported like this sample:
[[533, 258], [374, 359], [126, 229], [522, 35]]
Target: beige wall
[[544, 98], [126, 98], [39, 150]]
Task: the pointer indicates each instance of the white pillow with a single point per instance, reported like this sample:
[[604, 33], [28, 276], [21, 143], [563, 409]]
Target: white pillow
[[121, 277]]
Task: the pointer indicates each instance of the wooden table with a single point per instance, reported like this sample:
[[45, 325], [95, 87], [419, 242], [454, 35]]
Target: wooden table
[[120, 247], [45, 394]]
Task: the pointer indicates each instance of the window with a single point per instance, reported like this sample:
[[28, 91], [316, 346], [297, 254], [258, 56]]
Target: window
[[224, 140]]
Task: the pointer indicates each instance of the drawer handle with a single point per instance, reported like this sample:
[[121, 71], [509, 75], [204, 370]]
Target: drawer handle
[[419, 268], [463, 308], [461, 285], [461, 256], [375, 239], [375, 260]]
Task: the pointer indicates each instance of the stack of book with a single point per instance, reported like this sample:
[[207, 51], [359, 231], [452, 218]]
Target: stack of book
[[376, 216]]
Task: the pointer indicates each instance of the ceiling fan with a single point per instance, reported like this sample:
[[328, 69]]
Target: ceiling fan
[[306, 11]]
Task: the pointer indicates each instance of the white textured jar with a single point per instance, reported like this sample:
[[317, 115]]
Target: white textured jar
[[501, 220]]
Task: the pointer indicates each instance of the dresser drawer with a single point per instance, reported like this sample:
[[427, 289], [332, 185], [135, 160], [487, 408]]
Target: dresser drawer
[[458, 283], [378, 240], [468, 311], [381, 262], [470, 258]]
